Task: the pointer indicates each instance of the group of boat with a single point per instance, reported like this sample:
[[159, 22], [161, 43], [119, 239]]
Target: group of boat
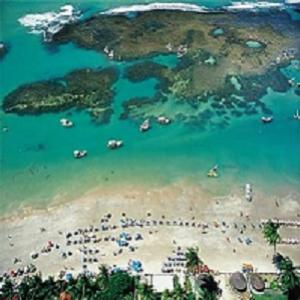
[[111, 144], [109, 52], [145, 126], [269, 119]]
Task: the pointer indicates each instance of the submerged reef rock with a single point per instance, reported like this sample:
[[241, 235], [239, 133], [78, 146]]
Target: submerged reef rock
[[226, 63], [86, 88]]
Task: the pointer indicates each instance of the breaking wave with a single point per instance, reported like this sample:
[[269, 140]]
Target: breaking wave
[[235, 6], [50, 23]]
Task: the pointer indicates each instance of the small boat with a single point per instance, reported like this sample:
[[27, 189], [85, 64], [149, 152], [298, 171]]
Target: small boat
[[297, 115], [248, 192], [114, 144], [163, 120], [266, 119], [79, 153], [111, 54], [145, 126], [106, 50], [66, 123], [213, 172]]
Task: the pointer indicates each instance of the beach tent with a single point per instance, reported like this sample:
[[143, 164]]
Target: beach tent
[[257, 283], [136, 266], [238, 281]]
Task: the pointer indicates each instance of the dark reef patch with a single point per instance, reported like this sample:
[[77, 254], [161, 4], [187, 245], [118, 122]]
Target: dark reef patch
[[81, 89]]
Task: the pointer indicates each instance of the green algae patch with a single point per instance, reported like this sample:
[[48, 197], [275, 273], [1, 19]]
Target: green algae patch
[[81, 89]]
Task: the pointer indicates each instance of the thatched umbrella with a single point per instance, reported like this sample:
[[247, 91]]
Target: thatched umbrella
[[257, 283], [65, 296], [238, 281]]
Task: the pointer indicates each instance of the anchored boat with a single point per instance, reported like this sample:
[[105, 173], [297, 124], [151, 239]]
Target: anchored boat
[[79, 153], [66, 123], [297, 115], [145, 126], [114, 144], [163, 120], [266, 119]]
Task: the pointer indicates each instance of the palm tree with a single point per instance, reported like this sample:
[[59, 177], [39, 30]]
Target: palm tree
[[270, 231], [289, 278], [207, 287], [178, 292], [193, 259], [103, 277], [7, 290], [145, 292]]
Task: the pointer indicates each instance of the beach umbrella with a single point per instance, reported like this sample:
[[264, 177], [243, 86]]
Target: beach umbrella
[[257, 283], [238, 281]]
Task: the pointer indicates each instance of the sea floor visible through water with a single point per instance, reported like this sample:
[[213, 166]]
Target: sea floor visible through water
[[37, 165]]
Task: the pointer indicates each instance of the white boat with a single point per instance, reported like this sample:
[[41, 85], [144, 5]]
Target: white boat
[[114, 144], [297, 115], [248, 192], [169, 47], [181, 50], [79, 153], [266, 119], [213, 172], [163, 120], [145, 126], [111, 54], [66, 123]]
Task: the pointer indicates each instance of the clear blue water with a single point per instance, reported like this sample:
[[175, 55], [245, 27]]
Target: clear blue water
[[36, 152]]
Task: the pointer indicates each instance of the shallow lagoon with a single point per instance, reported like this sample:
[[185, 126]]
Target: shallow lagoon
[[36, 153]]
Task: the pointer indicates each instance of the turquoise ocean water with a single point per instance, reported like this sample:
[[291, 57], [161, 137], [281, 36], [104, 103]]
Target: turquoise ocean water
[[36, 152]]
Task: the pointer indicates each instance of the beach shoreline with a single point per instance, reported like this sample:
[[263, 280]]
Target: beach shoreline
[[181, 202]]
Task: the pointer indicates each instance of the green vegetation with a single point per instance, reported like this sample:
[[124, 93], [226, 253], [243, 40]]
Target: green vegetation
[[269, 295], [270, 231], [110, 285], [193, 259], [82, 89], [106, 285], [289, 278]]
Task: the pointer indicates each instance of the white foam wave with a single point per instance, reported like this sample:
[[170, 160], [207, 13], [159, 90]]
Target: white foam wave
[[157, 6], [292, 2], [50, 23], [235, 6], [253, 6]]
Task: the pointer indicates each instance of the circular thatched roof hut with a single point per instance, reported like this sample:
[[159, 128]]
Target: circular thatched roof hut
[[257, 283], [238, 281]]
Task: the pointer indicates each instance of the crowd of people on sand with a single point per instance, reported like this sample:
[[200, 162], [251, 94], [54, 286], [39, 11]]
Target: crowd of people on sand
[[175, 263], [128, 232], [289, 241], [20, 271]]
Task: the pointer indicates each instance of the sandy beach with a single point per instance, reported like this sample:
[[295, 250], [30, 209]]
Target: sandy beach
[[176, 215]]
